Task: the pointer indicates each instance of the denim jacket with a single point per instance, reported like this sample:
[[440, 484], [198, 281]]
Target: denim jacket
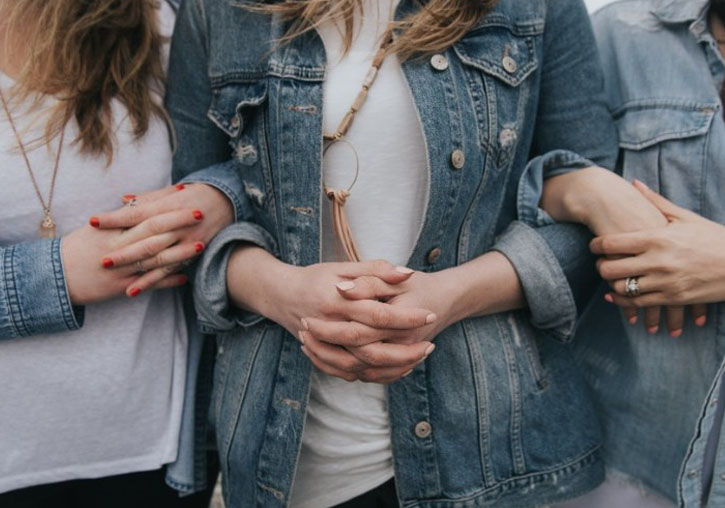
[[520, 97], [658, 395]]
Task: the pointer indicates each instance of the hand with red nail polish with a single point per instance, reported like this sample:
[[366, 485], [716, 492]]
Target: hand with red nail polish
[[164, 229]]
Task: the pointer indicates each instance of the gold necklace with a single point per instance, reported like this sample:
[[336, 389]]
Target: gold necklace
[[47, 225]]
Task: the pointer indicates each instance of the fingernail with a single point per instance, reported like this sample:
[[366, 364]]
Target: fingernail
[[609, 298], [408, 373], [198, 215], [198, 246], [305, 324], [304, 350], [94, 222], [183, 279], [430, 318], [107, 263], [300, 337], [640, 182], [180, 186], [653, 329], [430, 349], [128, 197], [676, 333], [404, 270], [632, 320], [134, 292], [701, 321], [345, 285]]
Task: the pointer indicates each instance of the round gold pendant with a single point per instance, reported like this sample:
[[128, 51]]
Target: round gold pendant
[[47, 228]]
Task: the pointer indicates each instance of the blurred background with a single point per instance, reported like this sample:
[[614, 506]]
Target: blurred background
[[596, 4]]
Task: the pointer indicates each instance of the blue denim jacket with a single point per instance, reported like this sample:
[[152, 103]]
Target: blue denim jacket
[[658, 395], [512, 423]]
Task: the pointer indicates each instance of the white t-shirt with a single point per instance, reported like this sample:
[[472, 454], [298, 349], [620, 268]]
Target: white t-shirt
[[346, 448], [105, 399]]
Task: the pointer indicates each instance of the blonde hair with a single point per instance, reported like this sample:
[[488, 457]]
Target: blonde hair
[[86, 53], [435, 27]]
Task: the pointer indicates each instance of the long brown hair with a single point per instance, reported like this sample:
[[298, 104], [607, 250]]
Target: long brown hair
[[86, 53], [436, 26]]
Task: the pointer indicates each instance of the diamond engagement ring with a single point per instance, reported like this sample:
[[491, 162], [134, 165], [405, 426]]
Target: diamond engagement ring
[[631, 286]]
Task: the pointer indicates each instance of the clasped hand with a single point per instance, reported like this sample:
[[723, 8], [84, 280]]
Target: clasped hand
[[364, 321]]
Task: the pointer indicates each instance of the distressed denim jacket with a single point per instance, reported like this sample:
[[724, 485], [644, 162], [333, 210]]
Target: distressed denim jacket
[[519, 99], [658, 395]]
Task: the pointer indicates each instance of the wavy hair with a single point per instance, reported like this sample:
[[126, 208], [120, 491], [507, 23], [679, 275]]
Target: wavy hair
[[435, 27], [87, 53]]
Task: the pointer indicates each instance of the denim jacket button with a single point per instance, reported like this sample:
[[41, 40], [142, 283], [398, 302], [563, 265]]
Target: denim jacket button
[[458, 159], [423, 429], [433, 255], [439, 62], [509, 64], [235, 122]]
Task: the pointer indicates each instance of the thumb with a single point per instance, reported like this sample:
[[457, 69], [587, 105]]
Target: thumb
[[667, 207]]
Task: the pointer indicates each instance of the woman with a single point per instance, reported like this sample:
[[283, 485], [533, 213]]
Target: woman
[[424, 174], [93, 382], [661, 397]]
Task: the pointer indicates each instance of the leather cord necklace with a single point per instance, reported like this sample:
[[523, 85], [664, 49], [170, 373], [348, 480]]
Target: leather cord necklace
[[47, 225], [338, 197]]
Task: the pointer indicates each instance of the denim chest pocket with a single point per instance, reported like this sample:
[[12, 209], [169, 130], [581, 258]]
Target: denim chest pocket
[[498, 59], [664, 144], [237, 108]]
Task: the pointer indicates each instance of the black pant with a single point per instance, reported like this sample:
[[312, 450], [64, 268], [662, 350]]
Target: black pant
[[380, 497], [135, 490]]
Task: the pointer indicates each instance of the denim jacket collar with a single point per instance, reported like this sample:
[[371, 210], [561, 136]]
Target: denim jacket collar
[[678, 11]]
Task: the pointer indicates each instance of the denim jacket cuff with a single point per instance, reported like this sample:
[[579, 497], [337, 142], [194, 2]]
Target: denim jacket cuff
[[34, 296], [531, 184], [546, 289], [225, 179], [215, 311]]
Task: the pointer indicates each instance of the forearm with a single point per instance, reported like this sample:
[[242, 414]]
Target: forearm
[[485, 285], [253, 275]]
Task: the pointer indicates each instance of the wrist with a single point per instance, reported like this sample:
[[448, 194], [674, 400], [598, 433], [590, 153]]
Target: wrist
[[578, 196], [253, 276], [456, 292]]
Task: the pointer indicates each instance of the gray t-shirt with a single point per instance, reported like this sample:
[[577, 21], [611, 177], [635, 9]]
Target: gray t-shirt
[[105, 399]]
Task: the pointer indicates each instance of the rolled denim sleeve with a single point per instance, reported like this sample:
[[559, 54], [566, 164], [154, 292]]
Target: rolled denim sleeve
[[34, 296], [574, 130]]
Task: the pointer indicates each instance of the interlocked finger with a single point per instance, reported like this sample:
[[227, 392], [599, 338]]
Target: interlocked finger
[[383, 315], [350, 333], [163, 223], [675, 319], [151, 279], [368, 288], [133, 255], [147, 205], [174, 255]]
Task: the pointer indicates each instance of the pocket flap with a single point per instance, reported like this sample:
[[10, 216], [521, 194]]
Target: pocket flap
[[229, 101], [497, 51], [644, 124]]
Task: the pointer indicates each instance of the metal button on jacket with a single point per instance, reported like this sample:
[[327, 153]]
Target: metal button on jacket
[[423, 429], [458, 159], [509, 64], [433, 255], [439, 62]]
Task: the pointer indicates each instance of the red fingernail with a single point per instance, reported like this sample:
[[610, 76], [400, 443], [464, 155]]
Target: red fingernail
[[129, 197], [653, 329], [180, 186], [183, 279], [199, 246], [134, 292], [95, 222], [676, 333], [107, 263], [632, 320], [701, 321], [198, 215], [609, 298]]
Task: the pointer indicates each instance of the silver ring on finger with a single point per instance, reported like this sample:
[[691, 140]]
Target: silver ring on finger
[[140, 270], [631, 287], [132, 202]]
